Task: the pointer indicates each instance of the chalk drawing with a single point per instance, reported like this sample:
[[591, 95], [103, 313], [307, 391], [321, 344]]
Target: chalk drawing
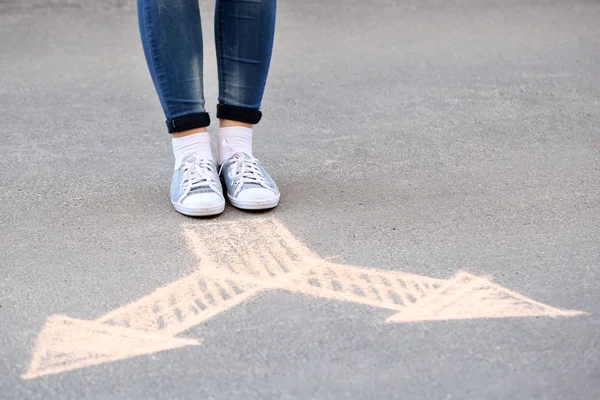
[[240, 260]]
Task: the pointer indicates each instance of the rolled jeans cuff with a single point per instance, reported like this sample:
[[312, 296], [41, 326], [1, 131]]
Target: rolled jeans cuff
[[188, 122], [240, 114]]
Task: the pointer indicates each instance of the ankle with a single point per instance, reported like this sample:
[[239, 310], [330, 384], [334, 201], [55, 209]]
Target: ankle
[[227, 123]]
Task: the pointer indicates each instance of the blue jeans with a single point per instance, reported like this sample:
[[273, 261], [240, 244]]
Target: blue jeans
[[172, 40]]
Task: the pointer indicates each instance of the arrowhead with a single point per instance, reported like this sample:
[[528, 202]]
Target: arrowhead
[[67, 344], [468, 296]]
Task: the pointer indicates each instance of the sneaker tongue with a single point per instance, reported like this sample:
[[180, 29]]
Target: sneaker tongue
[[202, 178], [242, 156], [189, 157]]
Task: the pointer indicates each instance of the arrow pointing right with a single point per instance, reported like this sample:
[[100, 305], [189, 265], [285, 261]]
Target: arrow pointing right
[[467, 296]]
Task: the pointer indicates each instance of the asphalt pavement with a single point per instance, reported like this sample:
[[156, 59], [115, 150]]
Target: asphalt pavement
[[407, 137]]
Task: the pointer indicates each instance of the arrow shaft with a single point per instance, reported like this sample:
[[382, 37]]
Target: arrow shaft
[[200, 296], [228, 262], [182, 304], [378, 288]]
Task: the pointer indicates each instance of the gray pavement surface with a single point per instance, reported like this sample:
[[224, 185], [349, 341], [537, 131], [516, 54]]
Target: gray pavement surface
[[418, 136]]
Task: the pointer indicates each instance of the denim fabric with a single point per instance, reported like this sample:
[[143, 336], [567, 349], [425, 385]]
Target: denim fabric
[[172, 41], [176, 189]]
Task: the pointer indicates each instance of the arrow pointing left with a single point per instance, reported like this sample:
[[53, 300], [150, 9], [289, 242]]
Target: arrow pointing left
[[66, 344], [146, 326], [150, 324]]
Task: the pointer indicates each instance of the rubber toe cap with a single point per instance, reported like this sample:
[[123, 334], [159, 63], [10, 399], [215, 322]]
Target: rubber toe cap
[[257, 195], [202, 201]]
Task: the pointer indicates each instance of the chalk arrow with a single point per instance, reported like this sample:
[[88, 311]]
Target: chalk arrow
[[66, 344], [264, 254], [151, 323], [146, 326], [238, 261], [467, 296]]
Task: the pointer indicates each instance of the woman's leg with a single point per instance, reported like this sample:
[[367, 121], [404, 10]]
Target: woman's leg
[[244, 31], [172, 40]]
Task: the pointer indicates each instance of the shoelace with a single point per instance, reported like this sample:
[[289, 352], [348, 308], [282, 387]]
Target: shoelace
[[245, 170], [197, 173]]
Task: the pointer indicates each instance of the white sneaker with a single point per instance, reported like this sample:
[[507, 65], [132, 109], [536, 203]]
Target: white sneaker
[[248, 185], [195, 189]]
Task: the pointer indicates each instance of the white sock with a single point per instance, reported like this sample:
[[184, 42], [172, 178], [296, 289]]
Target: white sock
[[239, 139], [198, 143]]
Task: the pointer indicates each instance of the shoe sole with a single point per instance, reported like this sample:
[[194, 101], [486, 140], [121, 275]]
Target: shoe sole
[[202, 212], [253, 205]]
